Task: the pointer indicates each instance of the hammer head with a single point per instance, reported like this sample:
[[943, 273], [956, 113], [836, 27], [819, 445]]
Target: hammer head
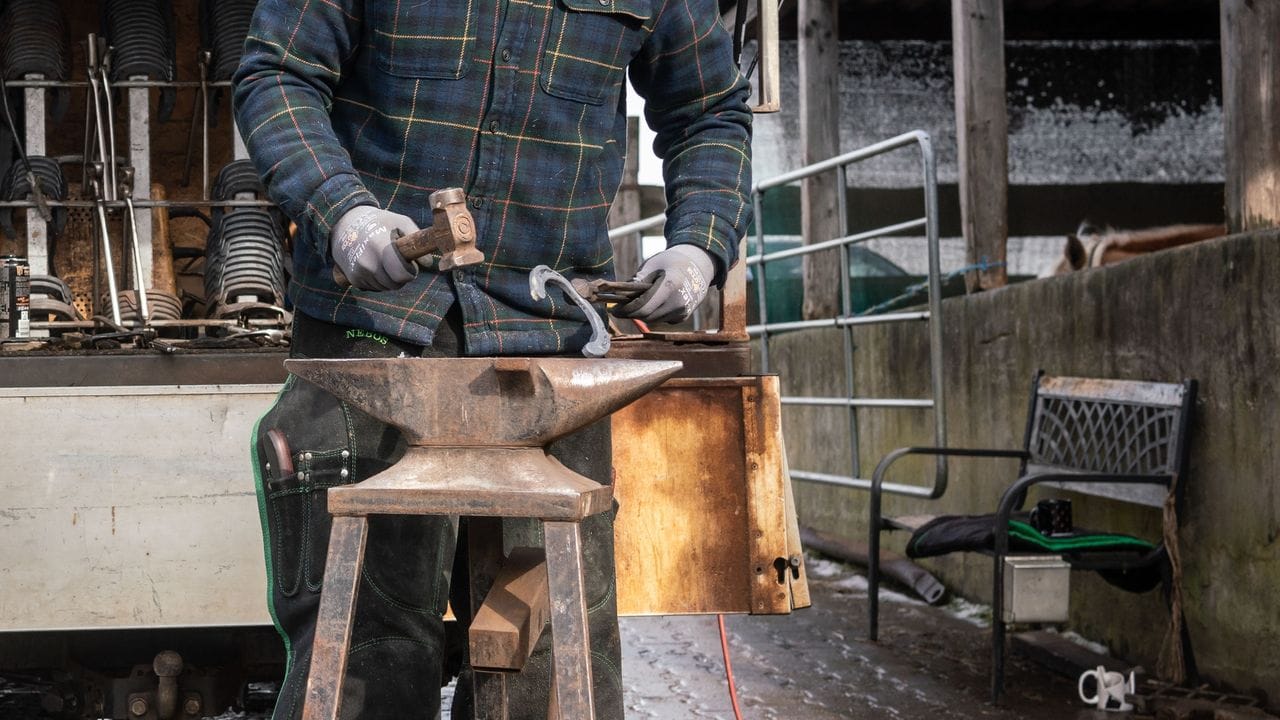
[[454, 230]]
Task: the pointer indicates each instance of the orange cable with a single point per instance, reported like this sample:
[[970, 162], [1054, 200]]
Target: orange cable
[[728, 669]]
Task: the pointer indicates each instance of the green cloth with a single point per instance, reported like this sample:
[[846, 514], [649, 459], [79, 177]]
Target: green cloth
[[1075, 543]]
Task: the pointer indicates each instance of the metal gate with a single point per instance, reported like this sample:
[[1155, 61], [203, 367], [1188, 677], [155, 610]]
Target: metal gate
[[846, 319]]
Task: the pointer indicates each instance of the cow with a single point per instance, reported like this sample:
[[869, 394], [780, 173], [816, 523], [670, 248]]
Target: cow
[[1091, 247]]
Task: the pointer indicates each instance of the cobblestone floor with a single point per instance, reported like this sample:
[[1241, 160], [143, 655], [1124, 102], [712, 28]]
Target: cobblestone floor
[[816, 665]]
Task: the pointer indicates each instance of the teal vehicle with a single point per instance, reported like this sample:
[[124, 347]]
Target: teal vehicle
[[875, 280]]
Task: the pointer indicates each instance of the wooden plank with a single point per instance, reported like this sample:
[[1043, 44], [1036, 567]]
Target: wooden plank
[[681, 525], [1125, 391], [767, 540], [797, 576], [819, 46], [982, 136], [1251, 113], [769, 77], [513, 614], [484, 560], [733, 297], [570, 632], [163, 277], [347, 541], [701, 482]]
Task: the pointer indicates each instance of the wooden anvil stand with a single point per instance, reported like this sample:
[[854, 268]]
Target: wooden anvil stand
[[477, 431]]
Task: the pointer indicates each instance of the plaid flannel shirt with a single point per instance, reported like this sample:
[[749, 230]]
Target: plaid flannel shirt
[[519, 102]]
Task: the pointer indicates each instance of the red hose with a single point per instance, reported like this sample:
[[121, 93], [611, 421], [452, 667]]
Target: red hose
[[728, 669]]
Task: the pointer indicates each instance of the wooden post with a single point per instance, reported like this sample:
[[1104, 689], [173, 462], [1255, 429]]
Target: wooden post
[[820, 140], [626, 206], [982, 136], [1251, 113]]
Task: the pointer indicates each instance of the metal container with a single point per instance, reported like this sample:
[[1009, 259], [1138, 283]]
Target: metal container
[[15, 297], [1037, 588]]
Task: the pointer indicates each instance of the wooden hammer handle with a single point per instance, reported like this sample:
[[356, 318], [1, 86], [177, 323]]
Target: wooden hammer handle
[[411, 247], [452, 233]]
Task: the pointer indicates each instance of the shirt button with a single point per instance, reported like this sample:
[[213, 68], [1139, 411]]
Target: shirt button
[[606, 2], [459, 276], [506, 54], [493, 126], [477, 202]]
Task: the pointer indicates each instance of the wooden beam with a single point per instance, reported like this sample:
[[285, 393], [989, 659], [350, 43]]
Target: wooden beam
[[820, 140], [484, 559], [768, 70], [626, 206], [513, 614], [1251, 113], [982, 136]]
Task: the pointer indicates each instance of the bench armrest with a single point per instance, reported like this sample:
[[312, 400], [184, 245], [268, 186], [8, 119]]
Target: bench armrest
[[876, 523], [877, 478], [1015, 492]]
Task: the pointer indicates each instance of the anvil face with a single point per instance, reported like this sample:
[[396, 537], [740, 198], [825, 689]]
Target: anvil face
[[502, 402]]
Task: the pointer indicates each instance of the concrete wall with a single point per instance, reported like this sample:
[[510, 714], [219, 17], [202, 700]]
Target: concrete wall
[[1209, 311]]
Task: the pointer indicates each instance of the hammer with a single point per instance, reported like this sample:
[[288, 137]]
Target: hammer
[[452, 234]]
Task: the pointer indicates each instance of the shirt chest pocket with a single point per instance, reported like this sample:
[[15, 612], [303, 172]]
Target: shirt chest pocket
[[590, 44], [431, 39]]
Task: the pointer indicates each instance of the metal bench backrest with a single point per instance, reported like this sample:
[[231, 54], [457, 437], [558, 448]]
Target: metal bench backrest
[[1122, 427]]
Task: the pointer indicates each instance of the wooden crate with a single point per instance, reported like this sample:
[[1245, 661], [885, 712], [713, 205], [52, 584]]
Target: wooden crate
[[706, 523]]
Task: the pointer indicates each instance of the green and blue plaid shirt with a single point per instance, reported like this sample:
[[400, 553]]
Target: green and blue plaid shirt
[[519, 102]]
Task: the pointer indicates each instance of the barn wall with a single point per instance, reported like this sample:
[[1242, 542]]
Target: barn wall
[[1207, 312], [1125, 133]]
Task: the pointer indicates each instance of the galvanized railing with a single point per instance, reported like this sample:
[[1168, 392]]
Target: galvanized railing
[[845, 319]]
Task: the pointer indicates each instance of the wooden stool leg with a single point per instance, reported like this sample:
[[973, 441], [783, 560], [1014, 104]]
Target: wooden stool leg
[[484, 562], [333, 624], [570, 636]]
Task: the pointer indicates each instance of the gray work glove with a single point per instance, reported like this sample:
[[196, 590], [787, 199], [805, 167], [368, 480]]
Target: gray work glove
[[680, 277], [361, 243]]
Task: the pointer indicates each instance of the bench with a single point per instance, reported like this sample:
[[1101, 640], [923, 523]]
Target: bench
[[1120, 439]]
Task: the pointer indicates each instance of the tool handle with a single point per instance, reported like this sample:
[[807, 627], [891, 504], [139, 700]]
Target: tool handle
[[610, 291], [279, 451], [411, 247], [452, 234]]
